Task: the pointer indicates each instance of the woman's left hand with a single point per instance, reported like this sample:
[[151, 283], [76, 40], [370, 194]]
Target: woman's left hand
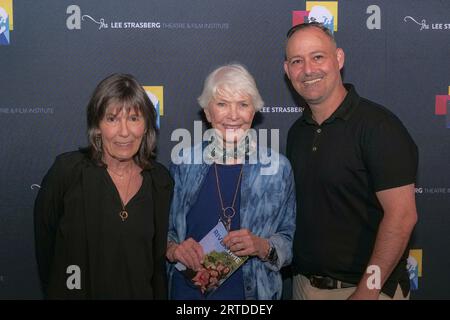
[[244, 243]]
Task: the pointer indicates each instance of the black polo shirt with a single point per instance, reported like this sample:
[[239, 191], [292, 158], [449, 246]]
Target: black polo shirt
[[362, 148]]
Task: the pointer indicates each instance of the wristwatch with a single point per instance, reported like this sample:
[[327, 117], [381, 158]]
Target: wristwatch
[[271, 256]]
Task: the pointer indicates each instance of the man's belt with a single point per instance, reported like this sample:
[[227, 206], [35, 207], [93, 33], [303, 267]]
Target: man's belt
[[321, 282]]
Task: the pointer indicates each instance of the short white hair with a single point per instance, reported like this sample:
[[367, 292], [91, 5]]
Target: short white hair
[[231, 78]]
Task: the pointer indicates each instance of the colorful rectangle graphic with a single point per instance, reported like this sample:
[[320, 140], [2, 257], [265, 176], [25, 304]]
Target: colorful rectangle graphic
[[325, 12], [156, 95], [414, 267], [442, 106], [6, 21]]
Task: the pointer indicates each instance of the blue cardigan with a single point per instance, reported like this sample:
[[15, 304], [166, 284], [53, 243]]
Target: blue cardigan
[[268, 209]]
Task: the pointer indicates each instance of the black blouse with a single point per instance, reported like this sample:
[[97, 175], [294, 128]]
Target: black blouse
[[77, 223]]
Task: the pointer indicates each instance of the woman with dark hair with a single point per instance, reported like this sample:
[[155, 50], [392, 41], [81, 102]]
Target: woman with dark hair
[[101, 214]]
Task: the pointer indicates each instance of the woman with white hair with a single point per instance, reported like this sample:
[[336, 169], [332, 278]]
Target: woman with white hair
[[257, 209]]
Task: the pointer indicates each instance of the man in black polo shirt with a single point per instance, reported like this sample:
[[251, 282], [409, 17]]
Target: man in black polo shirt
[[355, 167]]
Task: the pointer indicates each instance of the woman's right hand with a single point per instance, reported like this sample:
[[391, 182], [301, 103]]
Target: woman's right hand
[[189, 252]]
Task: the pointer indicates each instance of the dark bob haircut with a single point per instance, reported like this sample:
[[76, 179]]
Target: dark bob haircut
[[122, 89]]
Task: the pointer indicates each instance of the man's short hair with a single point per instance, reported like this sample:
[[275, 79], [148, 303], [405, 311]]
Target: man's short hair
[[313, 24]]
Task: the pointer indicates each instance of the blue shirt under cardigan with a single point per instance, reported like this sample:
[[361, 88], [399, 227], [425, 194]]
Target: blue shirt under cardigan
[[204, 216], [267, 209]]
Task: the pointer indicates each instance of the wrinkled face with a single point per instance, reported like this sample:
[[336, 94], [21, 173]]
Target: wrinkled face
[[122, 131], [313, 65], [231, 115]]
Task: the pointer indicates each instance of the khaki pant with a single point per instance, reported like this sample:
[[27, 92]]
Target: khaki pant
[[303, 290]]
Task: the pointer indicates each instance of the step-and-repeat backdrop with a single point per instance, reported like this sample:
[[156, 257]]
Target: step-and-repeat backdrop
[[53, 53]]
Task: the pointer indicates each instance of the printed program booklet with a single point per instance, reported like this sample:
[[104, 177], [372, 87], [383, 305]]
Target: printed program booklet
[[219, 262]]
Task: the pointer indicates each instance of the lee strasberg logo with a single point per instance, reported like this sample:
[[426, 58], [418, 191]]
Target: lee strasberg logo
[[414, 266], [156, 96], [6, 21], [325, 12], [281, 109], [432, 190], [442, 108], [423, 25], [75, 19], [26, 110]]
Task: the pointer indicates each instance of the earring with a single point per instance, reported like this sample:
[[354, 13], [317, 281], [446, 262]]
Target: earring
[[247, 145], [98, 142]]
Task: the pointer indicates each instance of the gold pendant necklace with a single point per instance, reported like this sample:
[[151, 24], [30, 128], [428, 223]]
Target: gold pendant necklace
[[227, 212], [123, 214]]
